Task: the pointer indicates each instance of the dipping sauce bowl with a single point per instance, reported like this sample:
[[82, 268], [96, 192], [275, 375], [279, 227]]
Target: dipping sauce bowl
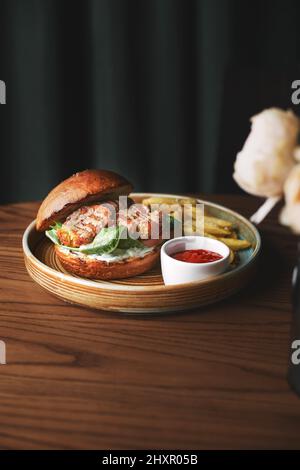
[[180, 272]]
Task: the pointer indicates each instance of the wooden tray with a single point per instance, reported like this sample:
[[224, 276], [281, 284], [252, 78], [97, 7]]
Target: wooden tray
[[145, 293]]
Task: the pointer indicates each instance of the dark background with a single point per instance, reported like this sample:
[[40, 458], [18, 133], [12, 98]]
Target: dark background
[[159, 90]]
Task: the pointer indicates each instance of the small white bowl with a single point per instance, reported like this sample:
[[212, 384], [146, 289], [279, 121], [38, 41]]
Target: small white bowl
[[180, 272]]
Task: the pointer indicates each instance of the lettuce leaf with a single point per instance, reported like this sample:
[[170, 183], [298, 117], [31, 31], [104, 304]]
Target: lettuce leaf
[[106, 241], [109, 239], [126, 243], [52, 232], [56, 225]]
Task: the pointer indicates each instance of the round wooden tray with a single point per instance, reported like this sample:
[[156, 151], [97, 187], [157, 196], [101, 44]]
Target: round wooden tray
[[145, 293]]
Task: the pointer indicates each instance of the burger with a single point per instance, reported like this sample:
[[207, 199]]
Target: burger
[[98, 232]]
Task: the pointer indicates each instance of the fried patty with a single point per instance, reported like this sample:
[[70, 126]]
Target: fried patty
[[84, 224], [81, 227]]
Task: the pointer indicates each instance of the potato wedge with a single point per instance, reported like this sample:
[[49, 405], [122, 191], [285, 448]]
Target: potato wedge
[[209, 235], [215, 230], [169, 200], [188, 230], [160, 200], [217, 221], [214, 227], [235, 244], [231, 257], [188, 200], [234, 235]]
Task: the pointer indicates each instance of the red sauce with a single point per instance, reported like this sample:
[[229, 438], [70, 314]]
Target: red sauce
[[197, 256]]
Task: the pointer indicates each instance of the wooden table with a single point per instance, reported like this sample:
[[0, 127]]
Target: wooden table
[[77, 378]]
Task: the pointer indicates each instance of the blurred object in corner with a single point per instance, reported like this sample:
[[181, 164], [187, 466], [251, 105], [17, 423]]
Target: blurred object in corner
[[267, 157], [290, 214]]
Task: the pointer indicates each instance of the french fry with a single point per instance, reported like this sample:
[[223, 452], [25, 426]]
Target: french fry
[[196, 211], [235, 244], [160, 200], [188, 230], [213, 224], [169, 200], [215, 230], [217, 221], [209, 235], [214, 227], [188, 200], [231, 257]]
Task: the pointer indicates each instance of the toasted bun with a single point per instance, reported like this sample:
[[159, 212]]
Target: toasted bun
[[95, 269], [84, 187]]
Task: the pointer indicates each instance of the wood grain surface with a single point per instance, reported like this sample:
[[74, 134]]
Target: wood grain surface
[[210, 378]]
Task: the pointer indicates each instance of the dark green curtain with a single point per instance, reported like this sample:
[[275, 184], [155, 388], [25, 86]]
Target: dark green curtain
[[159, 90]]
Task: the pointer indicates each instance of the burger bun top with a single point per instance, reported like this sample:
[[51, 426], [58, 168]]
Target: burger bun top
[[81, 188]]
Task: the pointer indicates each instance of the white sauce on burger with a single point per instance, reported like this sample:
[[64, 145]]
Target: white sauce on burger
[[116, 255]]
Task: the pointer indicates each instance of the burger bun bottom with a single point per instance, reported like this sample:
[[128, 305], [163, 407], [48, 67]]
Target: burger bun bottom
[[84, 266]]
